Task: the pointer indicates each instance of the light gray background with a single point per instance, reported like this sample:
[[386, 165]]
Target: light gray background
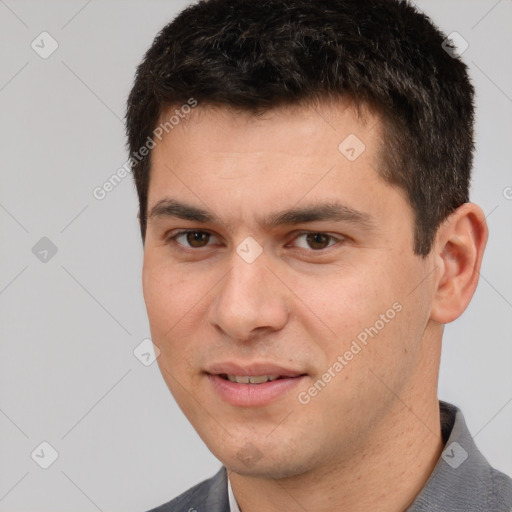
[[70, 325]]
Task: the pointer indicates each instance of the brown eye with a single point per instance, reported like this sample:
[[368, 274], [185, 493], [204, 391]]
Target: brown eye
[[318, 240], [197, 238], [191, 239]]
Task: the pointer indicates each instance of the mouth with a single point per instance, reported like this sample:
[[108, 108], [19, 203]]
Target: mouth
[[254, 385], [250, 379]]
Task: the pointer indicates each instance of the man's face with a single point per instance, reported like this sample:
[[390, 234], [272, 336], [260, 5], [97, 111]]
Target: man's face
[[335, 303]]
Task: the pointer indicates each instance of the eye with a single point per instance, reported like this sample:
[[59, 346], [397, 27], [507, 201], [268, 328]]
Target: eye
[[316, 241], [197, 239], [192, 238]]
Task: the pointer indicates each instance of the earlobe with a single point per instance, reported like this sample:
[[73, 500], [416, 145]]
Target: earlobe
[[459, 246]]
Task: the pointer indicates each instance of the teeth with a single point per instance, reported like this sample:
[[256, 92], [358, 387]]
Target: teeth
[[249, 379]]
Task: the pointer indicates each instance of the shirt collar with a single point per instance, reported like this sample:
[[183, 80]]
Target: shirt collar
[[462, 477], [233, 505]]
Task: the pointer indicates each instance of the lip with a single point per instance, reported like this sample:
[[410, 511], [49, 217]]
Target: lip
[[253, 395], [263, 368]]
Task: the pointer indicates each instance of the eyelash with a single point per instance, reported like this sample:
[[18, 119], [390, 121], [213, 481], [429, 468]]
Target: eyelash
[[173, 239]]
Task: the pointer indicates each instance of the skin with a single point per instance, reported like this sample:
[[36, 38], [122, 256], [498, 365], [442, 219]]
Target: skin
[[371, 437]]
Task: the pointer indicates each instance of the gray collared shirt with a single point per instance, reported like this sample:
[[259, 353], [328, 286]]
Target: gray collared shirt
[[462, 481]]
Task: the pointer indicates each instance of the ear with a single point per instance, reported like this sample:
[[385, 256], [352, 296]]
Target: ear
[[459, 249]]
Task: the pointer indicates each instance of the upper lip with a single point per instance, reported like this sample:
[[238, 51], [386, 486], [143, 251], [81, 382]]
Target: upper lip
[[252, 369]]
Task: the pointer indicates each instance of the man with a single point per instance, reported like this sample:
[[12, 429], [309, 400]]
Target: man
[[307, 233]]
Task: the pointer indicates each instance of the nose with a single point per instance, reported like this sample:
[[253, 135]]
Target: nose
[[251, 301]]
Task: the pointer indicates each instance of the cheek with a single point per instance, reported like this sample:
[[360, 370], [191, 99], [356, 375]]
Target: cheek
[[167, 290], [168, 307], [176, 301], [374, 322], [158, 300], [343, 305]]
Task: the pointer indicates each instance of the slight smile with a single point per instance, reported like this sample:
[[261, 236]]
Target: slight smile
[[252, 385]]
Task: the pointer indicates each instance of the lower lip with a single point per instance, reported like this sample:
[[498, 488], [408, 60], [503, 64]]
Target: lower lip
[[253, 395]]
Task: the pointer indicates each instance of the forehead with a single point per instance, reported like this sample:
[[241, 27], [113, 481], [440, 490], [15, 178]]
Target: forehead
[[297, 118], [293, 137], [249, 164]]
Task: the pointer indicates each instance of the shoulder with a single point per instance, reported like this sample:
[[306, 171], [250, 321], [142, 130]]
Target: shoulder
[[463, 479], [500, 495], [210, 495]]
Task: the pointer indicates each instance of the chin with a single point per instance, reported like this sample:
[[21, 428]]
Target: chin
[[277, 470], [268, 462]]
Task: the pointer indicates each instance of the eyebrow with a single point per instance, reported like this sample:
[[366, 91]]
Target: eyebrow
[[329, 211]]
